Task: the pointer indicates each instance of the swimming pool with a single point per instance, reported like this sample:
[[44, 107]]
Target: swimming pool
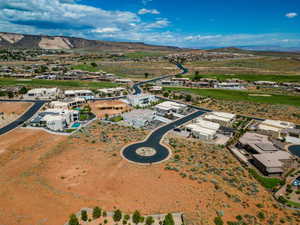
[[76, 125], [295, 150]]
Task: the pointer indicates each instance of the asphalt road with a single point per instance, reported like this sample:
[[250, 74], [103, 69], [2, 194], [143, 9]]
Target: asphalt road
[[153, 141], [26, 116]]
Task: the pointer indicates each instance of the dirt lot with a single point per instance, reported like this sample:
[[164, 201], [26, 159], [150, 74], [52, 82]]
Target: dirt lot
[[122, 107], [44, 178], [11, 111]]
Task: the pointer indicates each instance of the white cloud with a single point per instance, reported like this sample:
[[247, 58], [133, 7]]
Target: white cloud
[[291, 15], [148, 11], [106, 30], [161, 23], [145, 2]]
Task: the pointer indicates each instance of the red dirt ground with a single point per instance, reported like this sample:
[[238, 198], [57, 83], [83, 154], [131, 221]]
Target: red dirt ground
[[44, 178]]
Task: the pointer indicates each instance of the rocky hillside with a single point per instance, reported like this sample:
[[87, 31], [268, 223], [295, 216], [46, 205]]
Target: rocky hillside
[[11, 40]]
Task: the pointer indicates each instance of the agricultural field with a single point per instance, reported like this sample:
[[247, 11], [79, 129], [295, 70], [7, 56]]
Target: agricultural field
[[55, 83]]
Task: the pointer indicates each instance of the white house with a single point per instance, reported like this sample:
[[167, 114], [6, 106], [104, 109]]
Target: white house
[[42, 93], [86, 94], [112, 91], [55, 122], [225, 85], [55, 119], [68, 104], [141, 100], [220, 116], [203, 130], [275, 125], [169, 107], [139, 118]]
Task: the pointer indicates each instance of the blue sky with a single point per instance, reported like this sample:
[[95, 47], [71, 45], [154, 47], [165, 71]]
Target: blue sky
[[184, 23]]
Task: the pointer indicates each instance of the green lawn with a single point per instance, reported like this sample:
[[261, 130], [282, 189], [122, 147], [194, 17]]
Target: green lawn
[[235, 95], [267, 182], [55, 83], [252, 77]]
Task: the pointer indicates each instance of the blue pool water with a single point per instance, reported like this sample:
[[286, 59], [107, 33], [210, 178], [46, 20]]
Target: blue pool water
[[295, 150], [76, 125]]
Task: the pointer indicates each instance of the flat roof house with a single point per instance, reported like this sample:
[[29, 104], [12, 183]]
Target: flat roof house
[[55, 119], [42, 93], [225, 85], [220, 116], [257, 143], [203, 130], [275, 125], [139, 118], [86, 94], [68, 104], [141, 100], [273, 163], [111, 91], [169, 107]]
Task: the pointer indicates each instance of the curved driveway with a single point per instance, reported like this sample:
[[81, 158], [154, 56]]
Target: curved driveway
[[153, 141], [26, 116]]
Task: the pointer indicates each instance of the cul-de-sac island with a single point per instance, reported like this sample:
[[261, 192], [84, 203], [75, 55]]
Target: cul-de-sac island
[[126, 133]]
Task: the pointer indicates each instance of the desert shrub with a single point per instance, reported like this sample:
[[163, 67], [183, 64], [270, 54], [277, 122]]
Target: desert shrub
[[218, 220], [73, 220], [96, 212], [117, 215], [84, 215]]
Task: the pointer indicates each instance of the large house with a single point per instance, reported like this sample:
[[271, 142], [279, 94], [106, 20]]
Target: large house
[[220, 117], [168, 107], [273, 163], [203, 130], [231, 85], [141, 100], [139, 118], [42, 94], [55, 119], [112, 91], [275, 125], [68, 103], [86, 94]]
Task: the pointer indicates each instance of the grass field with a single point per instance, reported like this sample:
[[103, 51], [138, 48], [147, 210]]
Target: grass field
[[234, 95], [252, 77], [55, 83], [266, 63], [267, 182]]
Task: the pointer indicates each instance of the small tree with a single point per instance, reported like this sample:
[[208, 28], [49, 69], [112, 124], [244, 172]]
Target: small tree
[[84, 215], [146, 75], [73, 220], [117, 215], [168, 220], [136, 217], [96, 212], [93, 64], [188, 98], [218, 220], [149, 220]]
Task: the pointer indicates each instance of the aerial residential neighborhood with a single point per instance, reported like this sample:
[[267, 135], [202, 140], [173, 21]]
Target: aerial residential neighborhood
[[148, 112]]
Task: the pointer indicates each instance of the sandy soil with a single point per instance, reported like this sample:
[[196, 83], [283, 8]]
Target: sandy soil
[[102, 113], [11, 111], [44, 178]]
